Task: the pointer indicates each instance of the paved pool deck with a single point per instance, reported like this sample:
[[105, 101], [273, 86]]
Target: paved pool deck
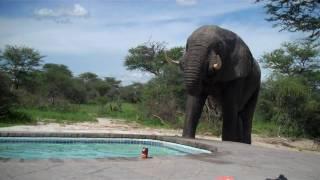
[[243, 162]]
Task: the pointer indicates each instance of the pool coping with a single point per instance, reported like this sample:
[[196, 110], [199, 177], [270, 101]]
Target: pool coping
[[173, 139]]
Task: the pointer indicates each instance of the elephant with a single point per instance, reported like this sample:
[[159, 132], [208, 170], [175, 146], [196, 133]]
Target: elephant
[[218, 64]]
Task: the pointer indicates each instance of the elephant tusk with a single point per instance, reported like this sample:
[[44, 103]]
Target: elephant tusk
[[217, 66], [169, 60]]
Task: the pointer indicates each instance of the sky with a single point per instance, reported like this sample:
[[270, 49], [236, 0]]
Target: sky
[[95, 35]]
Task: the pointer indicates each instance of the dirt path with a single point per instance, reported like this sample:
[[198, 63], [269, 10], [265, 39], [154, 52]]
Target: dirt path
[[106, 125]]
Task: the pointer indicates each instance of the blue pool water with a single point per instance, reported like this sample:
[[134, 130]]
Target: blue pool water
[[61, 148]]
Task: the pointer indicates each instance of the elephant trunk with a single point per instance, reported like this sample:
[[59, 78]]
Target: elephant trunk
[[193, 70]]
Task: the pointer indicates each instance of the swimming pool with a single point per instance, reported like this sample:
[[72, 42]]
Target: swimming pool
[[62, 148]]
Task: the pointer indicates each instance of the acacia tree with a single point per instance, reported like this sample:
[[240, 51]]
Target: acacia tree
[[295, 15], [19, 62], [296, 58], [88, 77], [147, 57]]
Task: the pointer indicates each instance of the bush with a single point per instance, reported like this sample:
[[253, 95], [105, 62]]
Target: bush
[[163, 97], [289, 102], [16, 117], [7, 98]]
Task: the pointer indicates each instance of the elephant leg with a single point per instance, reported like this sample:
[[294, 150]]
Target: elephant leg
[[232, 125], [193, 112], [247, 115]]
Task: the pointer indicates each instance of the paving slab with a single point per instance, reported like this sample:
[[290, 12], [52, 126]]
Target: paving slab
[[242, 161]]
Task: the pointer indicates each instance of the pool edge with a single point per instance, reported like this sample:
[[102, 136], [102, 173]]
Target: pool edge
[[173, 139]]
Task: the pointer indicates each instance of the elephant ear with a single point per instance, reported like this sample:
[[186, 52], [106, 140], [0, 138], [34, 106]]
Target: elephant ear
[[238, 63]]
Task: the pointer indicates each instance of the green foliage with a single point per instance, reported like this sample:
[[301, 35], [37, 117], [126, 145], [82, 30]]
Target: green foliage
[[100, 90], [283, 100], [19, 62], [16, 117], [112, 90], [163, 96], [293, 58], [59, 77], [147, 57], [290, 96], [7, 98], [267, 128], [130, 113], [8, 102], [88, 77], [76, 92], [294, 15], [131, 93]]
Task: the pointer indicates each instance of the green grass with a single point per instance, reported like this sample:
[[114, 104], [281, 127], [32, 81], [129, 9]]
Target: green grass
[[79, 113], [128, 112], [262, 127], [58, 116]]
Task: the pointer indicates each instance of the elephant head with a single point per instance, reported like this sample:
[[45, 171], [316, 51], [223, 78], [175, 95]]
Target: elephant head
[[207, 55]]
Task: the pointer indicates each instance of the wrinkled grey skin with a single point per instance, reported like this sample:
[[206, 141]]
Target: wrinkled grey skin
[[235, 85]]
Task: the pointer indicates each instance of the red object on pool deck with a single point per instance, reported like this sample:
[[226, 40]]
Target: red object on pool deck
[[225, 178], [144, 153]]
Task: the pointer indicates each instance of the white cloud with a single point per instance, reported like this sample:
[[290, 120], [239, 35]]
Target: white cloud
[[61, 14], [129, 77], [186, 2], [87, 37], [102, 48], [78, 10], [100, 44]]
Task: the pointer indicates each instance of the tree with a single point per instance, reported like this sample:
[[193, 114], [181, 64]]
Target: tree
[[163, 95], [290, 96], [295, 15], [147, 57], [59, 78], [76, 92], [293, 59], [91, 81], [19, 62], [88, 77], [110, 88], [131, 93]]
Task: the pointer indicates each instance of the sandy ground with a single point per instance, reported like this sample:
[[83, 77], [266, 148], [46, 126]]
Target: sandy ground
[[106, 125]]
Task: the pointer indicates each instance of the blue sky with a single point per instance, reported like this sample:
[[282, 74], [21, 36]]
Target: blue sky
[[95, 35]]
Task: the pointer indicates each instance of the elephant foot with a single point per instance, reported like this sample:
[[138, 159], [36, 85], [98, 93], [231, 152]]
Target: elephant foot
[[237, 140], [190, 136]]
